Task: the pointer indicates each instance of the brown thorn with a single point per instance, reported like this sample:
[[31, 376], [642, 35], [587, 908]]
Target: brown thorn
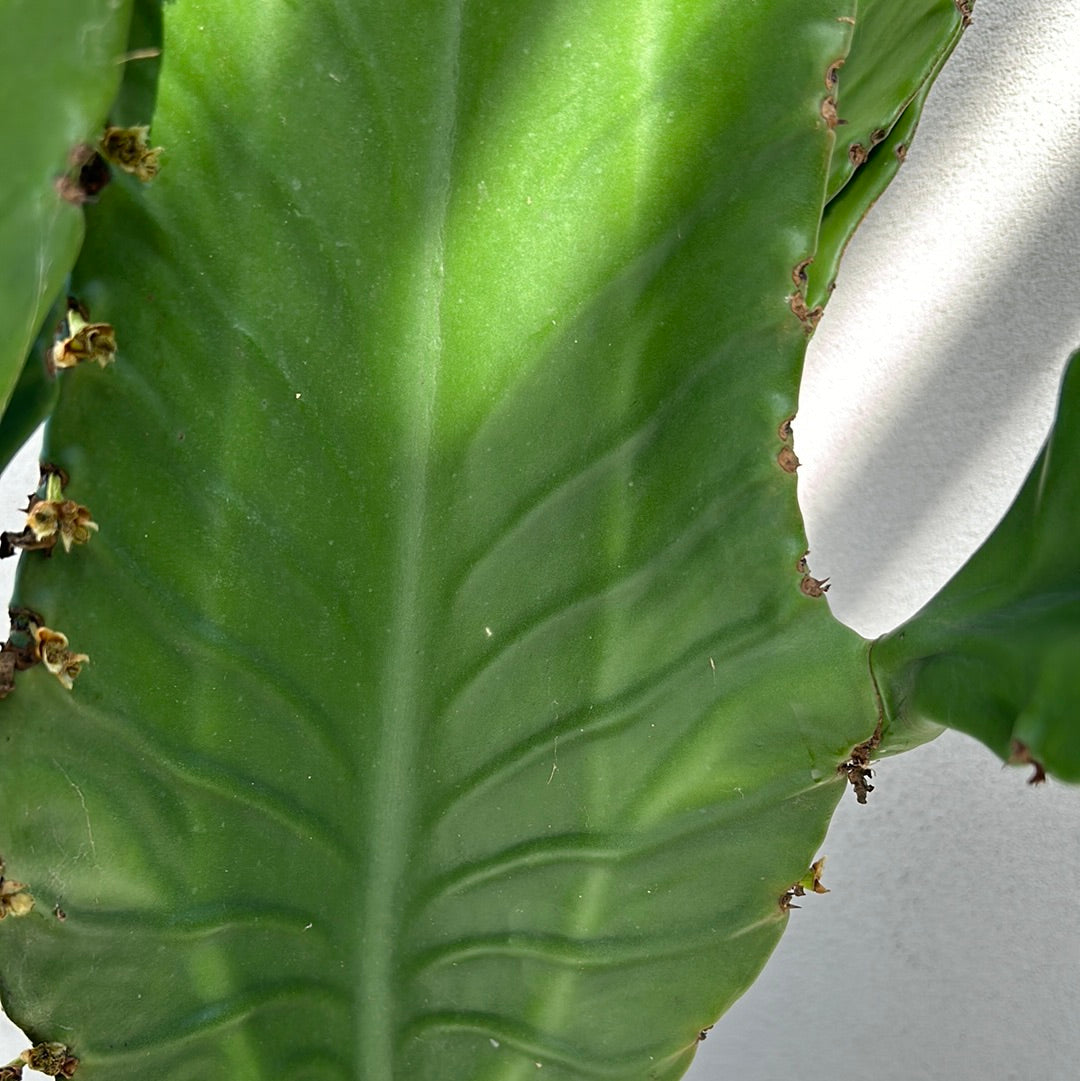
[[857, 767], [814, 587], [1021, 755], [809, 317], [787, 460]]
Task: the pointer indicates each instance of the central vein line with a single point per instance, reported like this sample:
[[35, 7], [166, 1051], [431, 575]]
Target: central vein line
[[391, 803]]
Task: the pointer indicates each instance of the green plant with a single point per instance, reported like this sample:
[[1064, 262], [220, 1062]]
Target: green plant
[[446, 608]]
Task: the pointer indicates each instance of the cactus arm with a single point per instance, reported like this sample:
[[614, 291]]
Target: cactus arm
[[995, 653], [61, 70], [455, 678], [880, 88], [895, 55]]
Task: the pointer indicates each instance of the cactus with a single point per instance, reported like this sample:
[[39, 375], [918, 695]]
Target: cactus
[[436, 685]]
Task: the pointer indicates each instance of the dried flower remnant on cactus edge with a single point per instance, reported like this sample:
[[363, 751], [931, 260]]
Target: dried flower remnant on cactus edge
[[53, 652], [79, 341], [810, 881], [66, 519], [15, 897], [50, 518], [128, 149], [54, 1059]]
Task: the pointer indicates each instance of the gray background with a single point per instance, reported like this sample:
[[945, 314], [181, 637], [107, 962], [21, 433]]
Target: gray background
[[948, 947]]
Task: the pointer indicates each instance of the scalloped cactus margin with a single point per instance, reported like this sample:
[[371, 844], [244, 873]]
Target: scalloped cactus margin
[[52, 518]]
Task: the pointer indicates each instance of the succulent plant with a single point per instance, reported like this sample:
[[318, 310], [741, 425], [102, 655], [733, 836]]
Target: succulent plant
[[461, 700]]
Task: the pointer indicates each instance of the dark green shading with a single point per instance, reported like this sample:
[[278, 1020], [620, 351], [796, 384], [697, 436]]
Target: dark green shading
[[137, 97], [60, 67], [31, 402]]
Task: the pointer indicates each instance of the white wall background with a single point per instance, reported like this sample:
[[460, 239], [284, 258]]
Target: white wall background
[[948, 947]]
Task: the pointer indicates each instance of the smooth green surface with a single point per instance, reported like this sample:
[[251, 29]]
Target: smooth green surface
[[60, 73], [997, 653], [896, 50], [453, 705]]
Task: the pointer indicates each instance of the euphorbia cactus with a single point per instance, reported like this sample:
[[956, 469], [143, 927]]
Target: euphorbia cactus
[[462, 700]]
